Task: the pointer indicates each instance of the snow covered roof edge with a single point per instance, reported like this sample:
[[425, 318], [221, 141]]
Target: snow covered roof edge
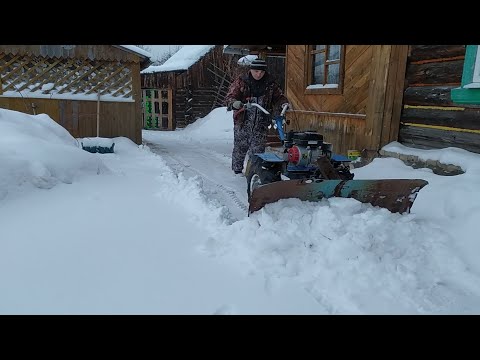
[[182, 59], [136, 50]]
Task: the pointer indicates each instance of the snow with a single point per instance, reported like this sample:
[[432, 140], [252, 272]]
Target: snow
[[48, 87], [322, 86], [246, 60], [137, 50], [161, 228], [182, 59], [96, 141]]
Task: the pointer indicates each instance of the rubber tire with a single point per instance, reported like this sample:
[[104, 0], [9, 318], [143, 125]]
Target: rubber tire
[[264, 171]]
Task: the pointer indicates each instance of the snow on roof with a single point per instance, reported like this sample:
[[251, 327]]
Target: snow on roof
[[182, 59], [137, 50], [246, 60]]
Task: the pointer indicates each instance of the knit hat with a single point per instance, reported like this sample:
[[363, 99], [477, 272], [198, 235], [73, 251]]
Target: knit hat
[[258, 64]]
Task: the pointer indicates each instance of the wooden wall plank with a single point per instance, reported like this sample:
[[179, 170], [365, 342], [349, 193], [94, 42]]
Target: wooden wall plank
[[171, 121], [465, 118], [429, 95], [427, 52], [353, 101], [390, 88], [402, 58], [427, 138], [377, 95], [80, 116], [447, 72], [341, 131], [137, 97]]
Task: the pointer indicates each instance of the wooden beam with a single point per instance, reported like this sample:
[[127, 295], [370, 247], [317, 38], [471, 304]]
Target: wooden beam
[[377, 95], [39, 75], [428, 52], [398, 92], [389, 97], [428, 138], [7, 64], [86, 73], [137, 96], [394, 93], [68, 73], [440, 73], [13, 72], [446, 116], [428, 95], [170, 108], [121, 89], [350, 115], [92, 90]]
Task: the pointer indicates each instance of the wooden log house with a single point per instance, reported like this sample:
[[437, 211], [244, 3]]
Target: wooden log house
[[362, 97], [66, 82], [186, 87]]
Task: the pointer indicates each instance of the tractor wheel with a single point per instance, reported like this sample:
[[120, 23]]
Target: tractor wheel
[[260, 172]]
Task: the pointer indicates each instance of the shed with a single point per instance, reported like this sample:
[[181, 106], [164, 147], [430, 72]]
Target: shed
[[71, 83], [190, 84]]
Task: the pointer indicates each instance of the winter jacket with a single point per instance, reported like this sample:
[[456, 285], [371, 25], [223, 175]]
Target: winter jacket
[[246, 87]]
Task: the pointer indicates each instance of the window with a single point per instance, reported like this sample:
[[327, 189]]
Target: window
[[469, 91], [325, 69]]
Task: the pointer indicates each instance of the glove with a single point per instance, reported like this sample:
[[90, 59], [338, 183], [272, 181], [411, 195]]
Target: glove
[[285, 104], [238, 116], [237, 104]]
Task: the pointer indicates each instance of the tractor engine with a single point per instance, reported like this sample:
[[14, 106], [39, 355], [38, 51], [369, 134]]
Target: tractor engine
[[303, 148]]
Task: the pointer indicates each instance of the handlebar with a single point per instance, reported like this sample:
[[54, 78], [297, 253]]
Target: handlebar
[[258, 106]]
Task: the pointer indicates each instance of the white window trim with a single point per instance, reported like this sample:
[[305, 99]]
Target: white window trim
[[320, 86]]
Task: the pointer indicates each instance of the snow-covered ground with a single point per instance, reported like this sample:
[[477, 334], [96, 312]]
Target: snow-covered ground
[[161, 228]]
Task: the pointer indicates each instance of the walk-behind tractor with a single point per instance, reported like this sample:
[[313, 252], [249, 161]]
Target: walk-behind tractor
[[306, 168]]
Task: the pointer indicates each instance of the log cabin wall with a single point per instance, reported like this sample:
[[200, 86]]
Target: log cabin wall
[[366, 115], [429, 119], [74, 72]]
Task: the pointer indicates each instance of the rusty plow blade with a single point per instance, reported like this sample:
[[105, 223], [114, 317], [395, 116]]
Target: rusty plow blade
[[396, 195]]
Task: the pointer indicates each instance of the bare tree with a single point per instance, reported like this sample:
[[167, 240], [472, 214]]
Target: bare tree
[[160, 59], [145, 47], [167, 55], [155, 60]]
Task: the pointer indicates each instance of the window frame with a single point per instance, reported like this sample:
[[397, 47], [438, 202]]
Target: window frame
[[309, 53], [469, 91]]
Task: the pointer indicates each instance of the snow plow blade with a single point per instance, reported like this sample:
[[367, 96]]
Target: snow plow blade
[[396, 195]]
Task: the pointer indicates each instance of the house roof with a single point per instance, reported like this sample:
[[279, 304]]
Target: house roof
[[145, 56], [136, 50], [182, 59], [124, 53]]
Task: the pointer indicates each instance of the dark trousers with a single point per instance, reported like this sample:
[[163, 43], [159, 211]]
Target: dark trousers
[[249, 137]]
